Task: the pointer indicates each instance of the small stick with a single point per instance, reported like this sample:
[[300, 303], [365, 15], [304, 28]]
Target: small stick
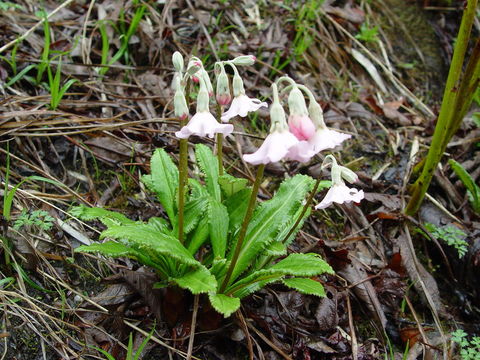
[[192, 329], [352, 330]]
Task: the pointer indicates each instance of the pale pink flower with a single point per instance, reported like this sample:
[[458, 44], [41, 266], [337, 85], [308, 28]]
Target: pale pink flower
[[242, 105], [327, 139], [203, 123], [322, 140], [273, 149], [301, 126], [302, 152], [340, 193]]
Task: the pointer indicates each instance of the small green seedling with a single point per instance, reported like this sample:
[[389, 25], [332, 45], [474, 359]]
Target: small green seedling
[[39, 218], [469, 349], [44, 58], [367, 34], [450, 234], [57, 91], [130, 354], [125, 36]]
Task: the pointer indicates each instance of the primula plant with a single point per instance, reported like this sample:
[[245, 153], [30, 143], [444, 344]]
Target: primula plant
[[215, 237]]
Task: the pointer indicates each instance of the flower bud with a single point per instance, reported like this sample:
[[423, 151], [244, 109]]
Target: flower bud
[[299, 122], [223, 88], [296, 102], [316, 114], [176, 81], [180, 104], [348, 175], [244, 60], [204, 75], [238, 88], [278, 118], [203, 97], [194, 65], [177, 60]]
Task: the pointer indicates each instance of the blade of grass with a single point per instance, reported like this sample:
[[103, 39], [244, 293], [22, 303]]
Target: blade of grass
[[46, 48]]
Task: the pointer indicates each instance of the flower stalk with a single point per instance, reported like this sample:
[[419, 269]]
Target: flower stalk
[[220, 142], [243, 229], [456, 99], [182, 180]]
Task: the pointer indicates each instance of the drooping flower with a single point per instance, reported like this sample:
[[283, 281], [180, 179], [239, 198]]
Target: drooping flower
[[244, 60], [323, 138], [223, 86], [274, 148], [299, 121], [277, 144], [339, 192], [177, 60], [241, 104], [203, 124]]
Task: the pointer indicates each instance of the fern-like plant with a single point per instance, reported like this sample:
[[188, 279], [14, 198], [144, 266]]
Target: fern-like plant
[[215, 206]]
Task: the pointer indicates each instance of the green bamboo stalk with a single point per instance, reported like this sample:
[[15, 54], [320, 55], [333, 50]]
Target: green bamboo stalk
[[447, 117], [467, 89], [243, 229]]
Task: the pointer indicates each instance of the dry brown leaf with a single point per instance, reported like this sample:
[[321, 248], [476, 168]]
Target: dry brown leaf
[[355, 273], [142, 281], [419, 274], [390, 110], [326, 313]]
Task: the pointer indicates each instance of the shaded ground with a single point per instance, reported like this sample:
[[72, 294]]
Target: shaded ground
[[396, 278]]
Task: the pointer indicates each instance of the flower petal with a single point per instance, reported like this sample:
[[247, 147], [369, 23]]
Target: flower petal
[[302, 151], [274, 148], [327, 139], [242, 105], [340, 194], [201, 124], [301, 126]]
